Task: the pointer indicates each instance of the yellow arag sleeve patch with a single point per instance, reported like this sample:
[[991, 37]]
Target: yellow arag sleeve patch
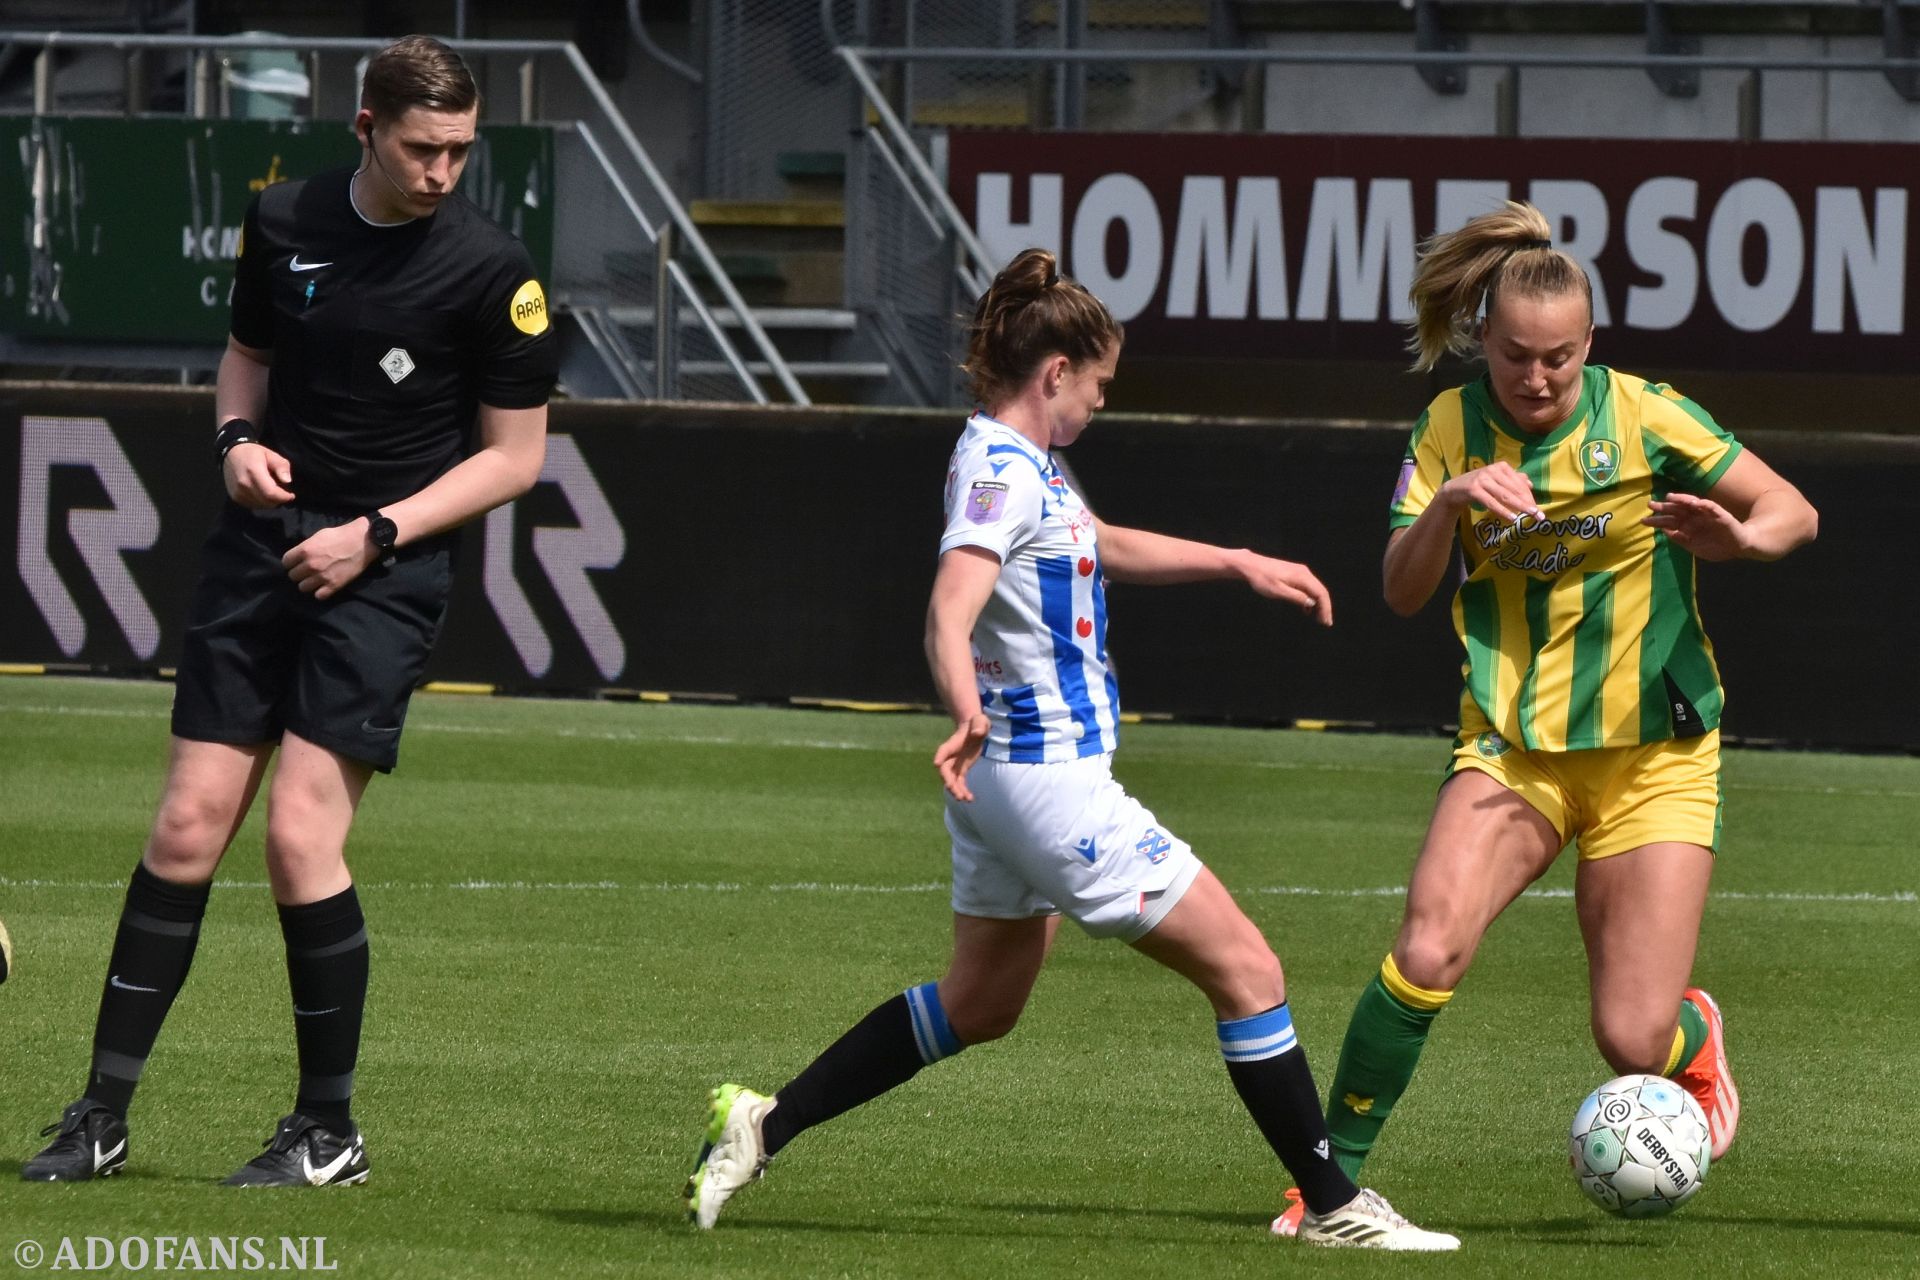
[[529, 309]]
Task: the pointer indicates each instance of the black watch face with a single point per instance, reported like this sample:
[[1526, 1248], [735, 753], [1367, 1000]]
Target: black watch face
[[383, 532]]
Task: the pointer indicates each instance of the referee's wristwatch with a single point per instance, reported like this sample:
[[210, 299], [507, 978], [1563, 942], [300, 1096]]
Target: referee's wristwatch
[[383, 533]]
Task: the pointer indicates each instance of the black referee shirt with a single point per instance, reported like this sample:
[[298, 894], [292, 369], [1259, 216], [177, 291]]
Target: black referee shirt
[[385, 339]]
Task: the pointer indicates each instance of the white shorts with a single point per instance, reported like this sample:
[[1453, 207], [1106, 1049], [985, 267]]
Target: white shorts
[[1065, 837]]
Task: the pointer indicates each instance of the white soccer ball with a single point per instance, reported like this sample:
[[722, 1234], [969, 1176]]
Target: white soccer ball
[[1640, 1146]]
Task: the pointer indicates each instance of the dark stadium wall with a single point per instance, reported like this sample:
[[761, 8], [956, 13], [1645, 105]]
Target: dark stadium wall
[[780, 553]]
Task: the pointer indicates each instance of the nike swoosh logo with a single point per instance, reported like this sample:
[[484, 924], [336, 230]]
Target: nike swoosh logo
[[298, 1012], [101, 1157], [114, 981], [368, 726], [297, 265], [326, 1172]]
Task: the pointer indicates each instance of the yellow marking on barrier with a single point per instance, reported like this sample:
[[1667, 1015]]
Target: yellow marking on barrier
[[957, 114], [768, 213], [853, 704], [457, 686]]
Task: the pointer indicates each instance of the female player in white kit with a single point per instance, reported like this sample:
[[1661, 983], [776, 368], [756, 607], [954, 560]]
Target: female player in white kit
[[1016, 637]]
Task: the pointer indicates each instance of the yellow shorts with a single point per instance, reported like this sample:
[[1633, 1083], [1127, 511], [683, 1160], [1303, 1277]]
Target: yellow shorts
[[1611, 799]]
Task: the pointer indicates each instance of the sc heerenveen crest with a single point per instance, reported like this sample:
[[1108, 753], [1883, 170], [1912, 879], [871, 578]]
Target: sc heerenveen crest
[[1600, 461]]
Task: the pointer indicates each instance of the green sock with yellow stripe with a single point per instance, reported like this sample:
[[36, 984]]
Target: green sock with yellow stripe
[[1687, 1037], [1384, 1038]]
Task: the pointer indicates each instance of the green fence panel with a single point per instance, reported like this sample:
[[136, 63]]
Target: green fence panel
[[126, 230]]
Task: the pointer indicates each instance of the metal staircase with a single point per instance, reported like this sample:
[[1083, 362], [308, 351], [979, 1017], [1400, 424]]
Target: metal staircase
[[625, 247]]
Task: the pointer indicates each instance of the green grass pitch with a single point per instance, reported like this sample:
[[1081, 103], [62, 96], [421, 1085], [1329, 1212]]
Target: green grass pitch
[[584, 915]]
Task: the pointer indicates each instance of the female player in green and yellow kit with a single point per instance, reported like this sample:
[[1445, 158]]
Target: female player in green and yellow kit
[[1582, 497]]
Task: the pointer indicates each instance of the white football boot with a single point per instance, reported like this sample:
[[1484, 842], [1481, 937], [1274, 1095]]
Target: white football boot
[[732, 1154], [1369, 1222]]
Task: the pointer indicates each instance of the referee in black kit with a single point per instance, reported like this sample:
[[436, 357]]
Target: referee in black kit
[[386, 381]]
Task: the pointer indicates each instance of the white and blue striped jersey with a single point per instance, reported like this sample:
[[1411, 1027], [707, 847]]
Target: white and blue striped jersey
[[1040, 645]]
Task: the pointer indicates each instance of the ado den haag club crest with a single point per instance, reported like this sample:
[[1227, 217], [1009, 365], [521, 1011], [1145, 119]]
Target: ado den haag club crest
[[1600, 461]]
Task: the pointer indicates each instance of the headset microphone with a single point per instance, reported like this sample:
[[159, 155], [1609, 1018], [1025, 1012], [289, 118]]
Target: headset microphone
[[406, 199]]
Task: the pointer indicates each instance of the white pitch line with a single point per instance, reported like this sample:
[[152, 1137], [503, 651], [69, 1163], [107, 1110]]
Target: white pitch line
[[1758, 788], [1557, 894], [929, 886], [1867, 793], [123, 713], [530, 885], [712, 740], [839, 744], [587, 735], [1310, 766], [814, 886]]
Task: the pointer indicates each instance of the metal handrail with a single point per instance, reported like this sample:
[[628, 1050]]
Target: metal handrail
[[566, 50], [827, 26], [885, 151], [984, 268], [1385, 58], [700, 309], [637, 25], [683, 223]]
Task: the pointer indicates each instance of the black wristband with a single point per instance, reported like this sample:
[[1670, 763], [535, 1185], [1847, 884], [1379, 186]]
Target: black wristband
[[234, 431]]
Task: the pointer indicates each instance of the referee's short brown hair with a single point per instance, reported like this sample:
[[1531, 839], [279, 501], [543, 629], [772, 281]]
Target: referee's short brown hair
[[417, 71]]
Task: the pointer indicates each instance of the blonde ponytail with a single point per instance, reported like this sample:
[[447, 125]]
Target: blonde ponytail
[[1462, 272]]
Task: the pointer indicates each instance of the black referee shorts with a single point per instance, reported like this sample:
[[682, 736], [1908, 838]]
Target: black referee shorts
[[262, 657]]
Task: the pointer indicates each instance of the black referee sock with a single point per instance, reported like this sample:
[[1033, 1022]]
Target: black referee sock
[[152, 951], [883, 1050], [327, 969], [1269, 1071]]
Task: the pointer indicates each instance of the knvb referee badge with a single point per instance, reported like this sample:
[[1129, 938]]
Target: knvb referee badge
[[396, 364]]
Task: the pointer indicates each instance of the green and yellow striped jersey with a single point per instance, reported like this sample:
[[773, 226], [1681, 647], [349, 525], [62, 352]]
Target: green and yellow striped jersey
[[1581, 628]]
